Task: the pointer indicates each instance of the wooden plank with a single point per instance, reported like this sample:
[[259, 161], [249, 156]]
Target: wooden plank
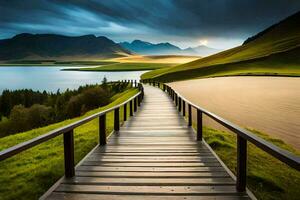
[[169, 128], [152, 159], [148, 190], [155, 147], [72, 196], [152, 154], [151, 164], [151, 169], [154, 174], [157, 181]]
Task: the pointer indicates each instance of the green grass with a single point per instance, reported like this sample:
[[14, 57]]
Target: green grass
[[281, 64], [29, 174], [126, 67], [267, 177], [274, 53]]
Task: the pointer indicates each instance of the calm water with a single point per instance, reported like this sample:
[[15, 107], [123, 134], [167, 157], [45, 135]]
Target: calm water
[[52, 79]]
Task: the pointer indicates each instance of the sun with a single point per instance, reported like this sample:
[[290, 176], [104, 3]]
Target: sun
[[203, 42]]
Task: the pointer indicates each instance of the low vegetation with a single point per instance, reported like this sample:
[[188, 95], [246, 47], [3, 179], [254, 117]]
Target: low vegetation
[[26, 109], [31, 173], [267, 177], [125, 67]]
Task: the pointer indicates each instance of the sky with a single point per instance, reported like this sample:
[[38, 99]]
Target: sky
[[220, 24]]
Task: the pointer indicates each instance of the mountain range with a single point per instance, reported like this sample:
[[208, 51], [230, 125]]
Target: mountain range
[[41, 46], [147, 48], [52, 46]]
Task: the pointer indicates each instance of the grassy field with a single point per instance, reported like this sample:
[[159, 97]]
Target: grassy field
[[125, 67], [275, 52], [267, 177], [29, 174]]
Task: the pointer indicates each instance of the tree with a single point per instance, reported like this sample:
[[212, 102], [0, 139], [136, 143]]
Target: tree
[[39, 115], [19, 117]]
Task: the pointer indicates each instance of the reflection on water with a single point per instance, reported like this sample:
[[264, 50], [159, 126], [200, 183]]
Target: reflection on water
[[52, 79]]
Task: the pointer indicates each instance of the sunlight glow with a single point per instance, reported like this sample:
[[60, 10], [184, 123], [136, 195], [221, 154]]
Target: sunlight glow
[[203, 42]]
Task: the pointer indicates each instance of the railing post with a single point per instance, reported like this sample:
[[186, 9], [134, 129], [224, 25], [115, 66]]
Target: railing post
[[241, 169], [179, 104], [69, 154], [102, 129], [139, 99], [116, 120], [131, 108], [125, 112], [183, 107], [135, 104], [135, 85], [173, 95], [199, 125], [190, 115], [176, 99]]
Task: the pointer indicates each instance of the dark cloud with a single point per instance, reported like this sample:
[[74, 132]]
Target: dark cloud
[[153, 19]]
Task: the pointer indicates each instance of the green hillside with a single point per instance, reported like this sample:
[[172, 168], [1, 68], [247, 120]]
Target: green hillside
[[273, 51]]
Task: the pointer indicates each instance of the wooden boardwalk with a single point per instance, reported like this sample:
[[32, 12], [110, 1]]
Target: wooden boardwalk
[[154, 156]]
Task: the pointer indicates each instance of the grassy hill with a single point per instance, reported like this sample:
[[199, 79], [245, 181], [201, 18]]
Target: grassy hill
[[274, 51]]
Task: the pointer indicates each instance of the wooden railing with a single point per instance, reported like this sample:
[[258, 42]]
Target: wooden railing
[[68, 132], [242, 136]]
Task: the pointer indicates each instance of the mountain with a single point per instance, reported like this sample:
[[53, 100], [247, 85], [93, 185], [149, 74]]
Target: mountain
[[274, 51], [40, 46], [147, 48], [201, 50]]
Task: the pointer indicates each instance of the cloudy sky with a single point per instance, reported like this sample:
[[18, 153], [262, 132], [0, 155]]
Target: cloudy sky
[[217, 23]]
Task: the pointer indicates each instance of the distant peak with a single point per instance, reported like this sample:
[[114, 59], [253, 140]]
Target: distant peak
[[89, 36], [22, 35], [140, 42]]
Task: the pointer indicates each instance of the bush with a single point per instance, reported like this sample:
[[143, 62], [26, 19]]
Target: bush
[[89, 99], [22, 119]]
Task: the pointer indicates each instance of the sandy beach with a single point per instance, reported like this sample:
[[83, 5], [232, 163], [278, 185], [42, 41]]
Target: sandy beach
[[267, 104]]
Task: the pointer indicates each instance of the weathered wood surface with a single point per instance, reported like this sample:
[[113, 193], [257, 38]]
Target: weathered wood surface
[[154, 156]]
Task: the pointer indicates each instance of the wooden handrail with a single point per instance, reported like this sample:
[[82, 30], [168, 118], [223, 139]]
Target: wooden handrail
[[243, 136], [68, 129]]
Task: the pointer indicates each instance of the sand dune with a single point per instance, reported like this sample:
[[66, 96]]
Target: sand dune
[[267, 104]]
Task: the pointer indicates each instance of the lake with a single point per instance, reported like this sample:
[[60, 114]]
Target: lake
[[267, 104], [52, 78]]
